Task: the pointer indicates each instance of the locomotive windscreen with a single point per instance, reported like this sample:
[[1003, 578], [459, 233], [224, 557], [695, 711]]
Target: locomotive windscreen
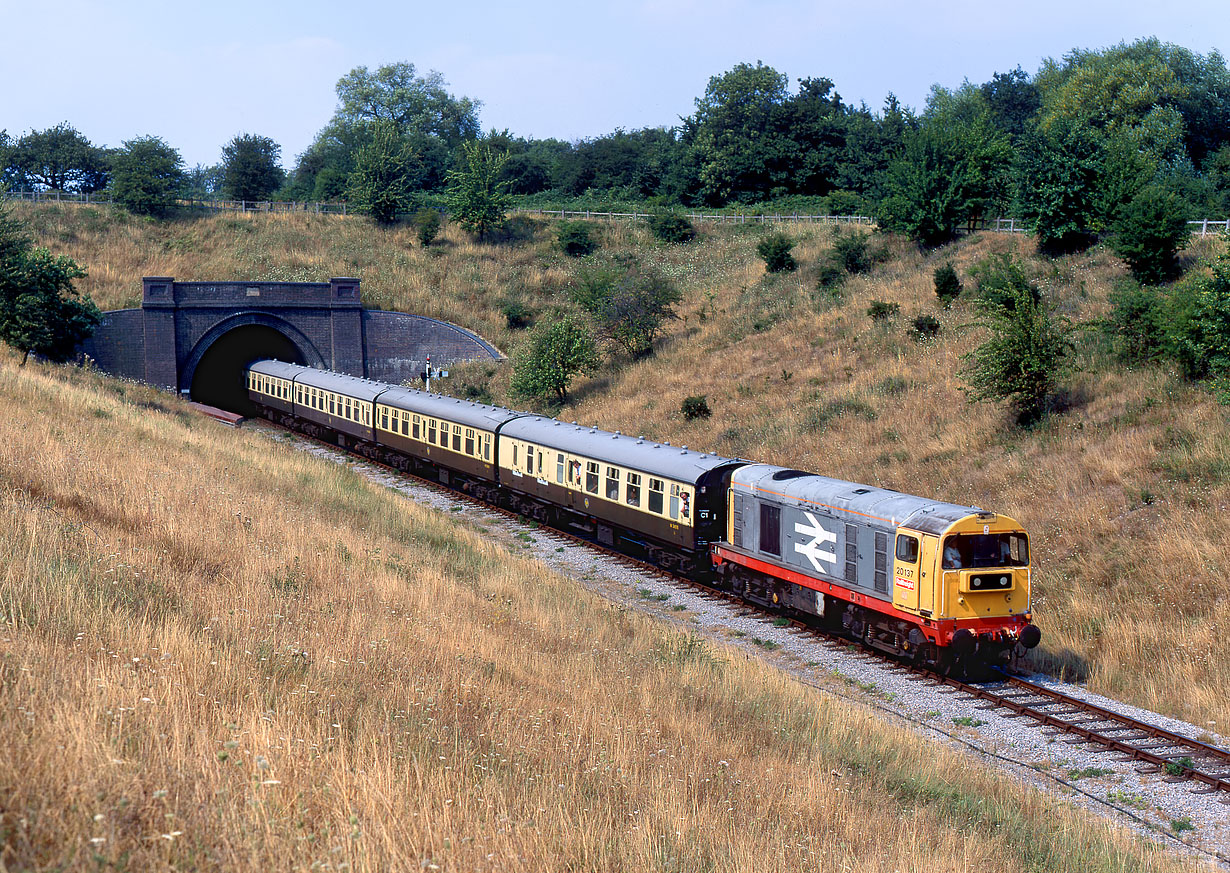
[[986, 550]]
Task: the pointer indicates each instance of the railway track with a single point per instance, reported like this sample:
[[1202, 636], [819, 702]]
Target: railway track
[[1174, 757]]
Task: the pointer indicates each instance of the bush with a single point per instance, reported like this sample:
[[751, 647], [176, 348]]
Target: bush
[[517, 314], [774, 250], [925, 327], [427, 223], [574, 239], [879, 310], [947, 285], [630, 304], [829, 276], [695, 407], [1002, 281], [1149, 233], [1137, 322], [853, 254], [1029, 347], [671, 227]]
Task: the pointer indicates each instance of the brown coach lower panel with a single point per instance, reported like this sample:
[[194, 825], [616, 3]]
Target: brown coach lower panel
[[625, 517], [438, 455]]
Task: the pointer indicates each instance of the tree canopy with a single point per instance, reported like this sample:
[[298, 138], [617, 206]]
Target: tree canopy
[[40, 311], [250, 168], [147, 176]]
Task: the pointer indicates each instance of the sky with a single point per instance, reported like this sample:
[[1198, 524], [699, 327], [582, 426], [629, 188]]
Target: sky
[[197, 74]]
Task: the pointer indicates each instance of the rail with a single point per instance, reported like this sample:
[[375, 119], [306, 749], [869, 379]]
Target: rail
[[1201, 227]]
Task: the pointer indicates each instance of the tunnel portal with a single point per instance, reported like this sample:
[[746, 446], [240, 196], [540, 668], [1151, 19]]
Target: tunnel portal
[[219, 376]]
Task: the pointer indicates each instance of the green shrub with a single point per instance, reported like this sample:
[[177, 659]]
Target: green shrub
[[947, 284], [774, 250], [853, 253], [1029, 349], [925, 327], [671, 227], [1149, 233], [694, 407], [574, 239], [829, 276], [880, 310], [427, 224], [517, 314], [1137, 322]]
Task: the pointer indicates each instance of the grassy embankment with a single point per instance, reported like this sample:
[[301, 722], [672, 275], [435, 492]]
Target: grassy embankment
[[1125, 493], [217, 652]]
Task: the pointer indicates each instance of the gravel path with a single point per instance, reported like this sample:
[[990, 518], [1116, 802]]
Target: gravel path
[[1167, 813]]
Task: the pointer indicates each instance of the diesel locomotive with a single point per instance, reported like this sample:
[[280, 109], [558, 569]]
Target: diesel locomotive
[[942, 584]]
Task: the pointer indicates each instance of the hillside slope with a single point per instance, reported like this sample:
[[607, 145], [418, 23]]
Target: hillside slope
[[1124, 492], [221, 653]]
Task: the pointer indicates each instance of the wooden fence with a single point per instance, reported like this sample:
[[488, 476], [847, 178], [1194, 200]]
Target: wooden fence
[[1199, 227]]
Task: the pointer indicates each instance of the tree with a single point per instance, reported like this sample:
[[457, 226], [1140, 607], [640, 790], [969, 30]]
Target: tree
[[1149, 234], [250, 169], [945, 176], [555, 353], [147, 176], [40, 311], [735, 137], [386, 172], [629, 304], [1060, 177], [434, 122], [60, 159], [477, 198], [1027, 352]]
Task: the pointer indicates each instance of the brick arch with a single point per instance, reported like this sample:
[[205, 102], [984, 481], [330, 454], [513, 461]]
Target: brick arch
[[311, 355]]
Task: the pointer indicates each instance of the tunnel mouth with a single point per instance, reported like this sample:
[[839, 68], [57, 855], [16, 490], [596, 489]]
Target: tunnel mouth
[[218, 379]]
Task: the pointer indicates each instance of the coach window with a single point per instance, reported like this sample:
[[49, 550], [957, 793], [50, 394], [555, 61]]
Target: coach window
[[456, 438], [655, 495], [560, 468], [514, 458], [633, 491], [907, 549], [770, 529], [591, 477], [444, 429], [612, 483], [487, 446], [431, 430], [470, 441], [417, 421], [332, 405], [529, 460], [674, 501]]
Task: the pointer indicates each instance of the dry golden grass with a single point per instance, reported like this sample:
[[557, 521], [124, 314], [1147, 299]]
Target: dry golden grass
[[1125, 493], [221, 653]]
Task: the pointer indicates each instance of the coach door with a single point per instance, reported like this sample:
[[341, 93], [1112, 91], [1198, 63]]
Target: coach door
[[928, 581]]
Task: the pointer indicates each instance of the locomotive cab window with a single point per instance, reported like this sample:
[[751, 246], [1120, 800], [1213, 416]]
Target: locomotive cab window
[[770, 529], [985, 550], [907, 548]]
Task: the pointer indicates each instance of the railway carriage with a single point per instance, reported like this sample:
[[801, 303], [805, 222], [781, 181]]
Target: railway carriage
[[635, 493], [457, 436], [339, 403], [272, 384], [902, 573]]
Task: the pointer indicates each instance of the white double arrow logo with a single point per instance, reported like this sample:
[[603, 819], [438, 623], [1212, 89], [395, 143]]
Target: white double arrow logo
[[819, 536]]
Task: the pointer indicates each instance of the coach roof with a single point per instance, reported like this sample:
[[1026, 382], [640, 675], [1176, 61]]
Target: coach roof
[[632, 453], [465, 412]]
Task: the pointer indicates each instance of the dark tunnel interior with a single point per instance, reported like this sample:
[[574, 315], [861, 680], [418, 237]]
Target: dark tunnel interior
[[219, 377]]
